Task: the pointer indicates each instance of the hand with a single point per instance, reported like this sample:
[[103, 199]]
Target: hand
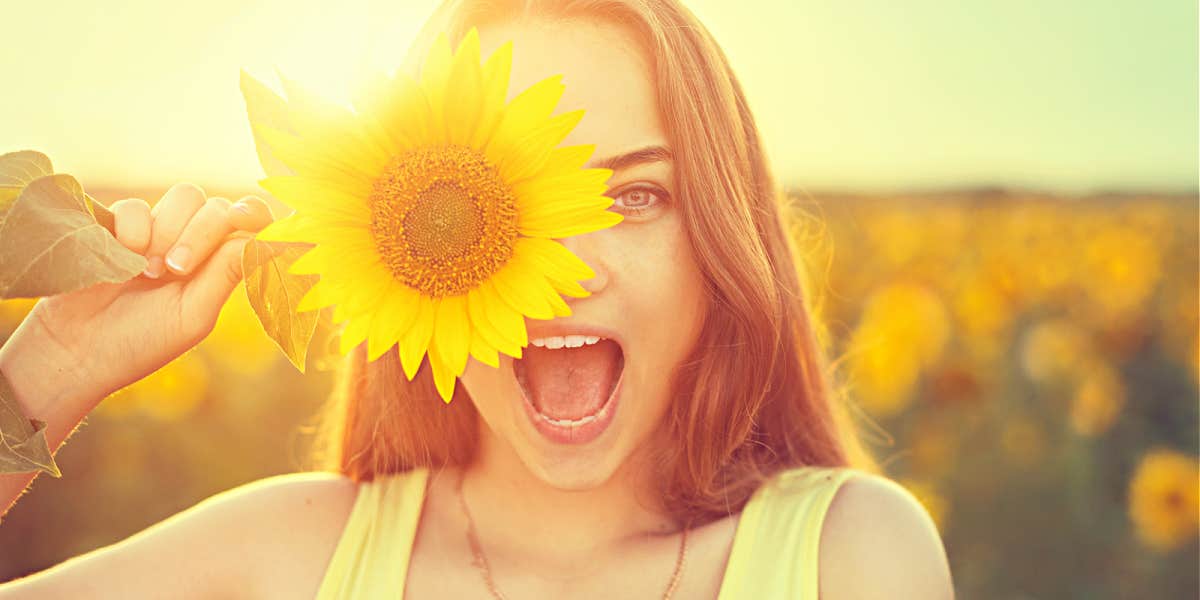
[[116, 334]]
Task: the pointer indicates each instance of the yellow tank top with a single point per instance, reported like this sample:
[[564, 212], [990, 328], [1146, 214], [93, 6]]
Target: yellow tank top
[[774, 553]]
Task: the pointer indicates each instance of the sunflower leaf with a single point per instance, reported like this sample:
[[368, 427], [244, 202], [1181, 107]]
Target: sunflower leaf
[[265, 107], [274, 294], [23, 444], [17, 169], [51, 242]]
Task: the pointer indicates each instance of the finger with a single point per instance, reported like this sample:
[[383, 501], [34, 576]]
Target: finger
[[208, 290], [132, 218], [251, 213], [200, 237], [171, 215]]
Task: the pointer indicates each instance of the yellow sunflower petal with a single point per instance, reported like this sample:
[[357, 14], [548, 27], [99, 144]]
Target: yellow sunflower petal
[[291, 228], [333, 256], [300, 227], [496, 72], [522, 290], [415, 341], [317, 260], [483, 327], [567, 160], [324, 161], [547, 188], [398, 107], [464, 91], [557, 304], [320, 295], [398, 315], [355, 332], [322, 123], [371, 282], [529, 154], [567, 219], [561, 229], [434, 75], [506, 320], [314, 196], [483, 352], [559, 265], [360, 288], [452, 333], [370, 97], [444, 379], [528, 109]]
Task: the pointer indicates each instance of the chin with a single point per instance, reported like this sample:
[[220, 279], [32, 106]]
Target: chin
[[571, 469]]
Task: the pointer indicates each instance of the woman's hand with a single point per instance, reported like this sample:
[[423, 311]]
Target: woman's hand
[[115, 334]]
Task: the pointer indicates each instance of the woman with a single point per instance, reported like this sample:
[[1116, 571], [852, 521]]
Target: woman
[[719, 466]]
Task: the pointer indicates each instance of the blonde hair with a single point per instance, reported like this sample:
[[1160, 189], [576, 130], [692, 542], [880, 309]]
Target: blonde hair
[[754, 397]]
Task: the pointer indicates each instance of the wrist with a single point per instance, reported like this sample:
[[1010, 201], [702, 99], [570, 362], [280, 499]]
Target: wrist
[[47, 380]]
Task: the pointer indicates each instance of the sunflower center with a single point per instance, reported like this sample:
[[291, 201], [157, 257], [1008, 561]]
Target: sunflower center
[[442, 219]]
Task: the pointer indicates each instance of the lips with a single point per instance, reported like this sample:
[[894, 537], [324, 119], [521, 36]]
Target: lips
[[570, 393]]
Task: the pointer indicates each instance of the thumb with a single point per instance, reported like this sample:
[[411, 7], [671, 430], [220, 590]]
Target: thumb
[[211, 285]]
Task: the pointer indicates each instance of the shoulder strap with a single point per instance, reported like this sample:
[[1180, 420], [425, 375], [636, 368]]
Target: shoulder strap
[[778, 536], [373, 552]]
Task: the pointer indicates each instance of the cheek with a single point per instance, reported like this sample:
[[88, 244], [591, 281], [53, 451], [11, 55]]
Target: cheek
[[662, 293], [489, 388]]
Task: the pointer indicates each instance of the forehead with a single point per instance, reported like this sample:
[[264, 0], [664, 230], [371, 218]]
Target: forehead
[[604, 72]]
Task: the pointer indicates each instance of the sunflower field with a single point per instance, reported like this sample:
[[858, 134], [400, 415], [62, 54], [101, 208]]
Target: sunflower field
[[1026, 365]]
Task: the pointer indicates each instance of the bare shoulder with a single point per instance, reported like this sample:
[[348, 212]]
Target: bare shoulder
[[259, 539], [290, 525], [878, 541]]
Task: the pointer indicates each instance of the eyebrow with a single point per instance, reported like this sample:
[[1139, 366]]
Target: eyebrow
[[640, 156]]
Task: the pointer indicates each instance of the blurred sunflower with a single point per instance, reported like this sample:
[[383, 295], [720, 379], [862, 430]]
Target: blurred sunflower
[[434, 207], [1098, 400], [1164, 501]]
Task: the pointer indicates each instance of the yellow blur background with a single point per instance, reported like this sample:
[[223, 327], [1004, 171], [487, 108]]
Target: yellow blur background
[[997, 207]]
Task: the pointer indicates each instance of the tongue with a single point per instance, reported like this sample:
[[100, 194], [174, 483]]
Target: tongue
[[570, 383]]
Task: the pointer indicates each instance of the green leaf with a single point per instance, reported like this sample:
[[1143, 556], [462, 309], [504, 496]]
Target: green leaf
[[103, 216], [23, 444], [274, 294], [51, 243], [266, 107], [18, 169]]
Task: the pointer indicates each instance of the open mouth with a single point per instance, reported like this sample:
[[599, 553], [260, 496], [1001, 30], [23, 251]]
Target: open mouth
[[570, 385]]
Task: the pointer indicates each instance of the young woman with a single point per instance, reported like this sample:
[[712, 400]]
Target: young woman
[[722, 467]]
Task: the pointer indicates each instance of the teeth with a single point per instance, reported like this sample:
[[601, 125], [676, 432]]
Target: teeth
[[568, 422], [570, 341]]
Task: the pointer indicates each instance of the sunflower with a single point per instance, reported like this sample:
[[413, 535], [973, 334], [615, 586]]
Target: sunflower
[[434, 207], [1163, 498]]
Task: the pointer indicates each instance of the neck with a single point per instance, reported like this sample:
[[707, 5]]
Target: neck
[[520, 516]]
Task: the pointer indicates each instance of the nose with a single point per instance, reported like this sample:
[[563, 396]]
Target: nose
[[586, 246]]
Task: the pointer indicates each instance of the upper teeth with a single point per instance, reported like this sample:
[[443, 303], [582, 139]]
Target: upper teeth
[[570, 341]]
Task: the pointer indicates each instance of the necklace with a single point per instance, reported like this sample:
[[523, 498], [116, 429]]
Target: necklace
[[480, 561]]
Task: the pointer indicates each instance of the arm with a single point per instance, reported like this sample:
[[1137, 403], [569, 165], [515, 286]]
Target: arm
[[879, 542], [58, 396], [268, 538], [75, 348]]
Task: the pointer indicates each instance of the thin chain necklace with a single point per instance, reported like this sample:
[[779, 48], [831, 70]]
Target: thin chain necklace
[[480, 561]]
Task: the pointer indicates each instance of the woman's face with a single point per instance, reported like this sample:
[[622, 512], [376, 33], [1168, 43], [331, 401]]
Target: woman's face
[[647, 290]]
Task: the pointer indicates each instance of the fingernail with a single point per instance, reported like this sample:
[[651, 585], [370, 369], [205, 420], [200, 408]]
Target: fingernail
[[241, 207], [154, 267], [177, 258]]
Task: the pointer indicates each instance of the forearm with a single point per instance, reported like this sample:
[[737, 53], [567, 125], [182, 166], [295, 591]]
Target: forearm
[[48, 387]]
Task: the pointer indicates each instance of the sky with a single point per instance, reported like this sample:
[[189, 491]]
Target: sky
[[1069, 96]]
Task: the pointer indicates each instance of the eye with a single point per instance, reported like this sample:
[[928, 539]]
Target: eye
[[636, 200]]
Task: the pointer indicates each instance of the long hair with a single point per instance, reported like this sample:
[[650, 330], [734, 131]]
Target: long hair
[[755, 396]]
